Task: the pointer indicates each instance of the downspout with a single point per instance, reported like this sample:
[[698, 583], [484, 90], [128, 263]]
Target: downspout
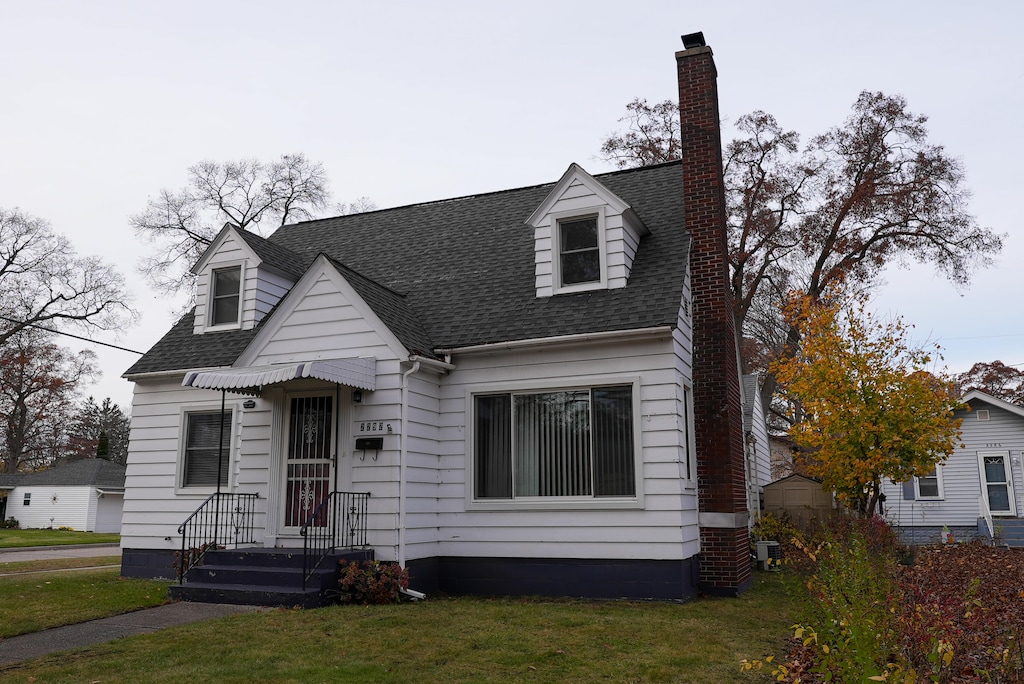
[[402, 466]]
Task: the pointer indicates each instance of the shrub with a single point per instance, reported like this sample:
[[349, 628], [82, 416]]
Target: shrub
[[372, 582], [10, 524]]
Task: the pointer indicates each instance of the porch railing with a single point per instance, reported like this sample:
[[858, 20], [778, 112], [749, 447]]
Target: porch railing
[[339, 522], [987, 515], [223, 520]]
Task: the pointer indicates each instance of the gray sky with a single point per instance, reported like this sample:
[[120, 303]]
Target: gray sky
[[105, 103]]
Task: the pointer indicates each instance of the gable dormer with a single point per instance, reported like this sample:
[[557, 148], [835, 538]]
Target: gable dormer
[[237, 284], [585, 236]]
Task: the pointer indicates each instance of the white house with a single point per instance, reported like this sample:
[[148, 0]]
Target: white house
[[84, 495], [976, 492], [756, 443], [511, 377]]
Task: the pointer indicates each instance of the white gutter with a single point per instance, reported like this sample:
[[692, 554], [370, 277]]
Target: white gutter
[[402, 461], [561, 339], [432, 363]]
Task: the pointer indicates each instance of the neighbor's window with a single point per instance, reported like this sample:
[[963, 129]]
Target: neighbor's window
[[28, 499], [928, 485], [578, 251], [569, 443], [225, 296], [203, 439]]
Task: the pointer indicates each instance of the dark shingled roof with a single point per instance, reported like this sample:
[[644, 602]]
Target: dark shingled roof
[[96, 472], [461, 272], [276, 256]]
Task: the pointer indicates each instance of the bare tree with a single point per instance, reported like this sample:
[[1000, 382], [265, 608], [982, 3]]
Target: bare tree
[[248, 193], [652, 135], [38, 387], [871, 192], [996, 379], [44, 283]]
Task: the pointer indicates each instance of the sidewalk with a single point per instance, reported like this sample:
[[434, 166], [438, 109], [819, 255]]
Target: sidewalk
[[37, 644], [30, 553]]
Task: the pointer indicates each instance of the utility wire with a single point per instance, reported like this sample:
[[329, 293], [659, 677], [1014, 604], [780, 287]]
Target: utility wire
[[67, 334]]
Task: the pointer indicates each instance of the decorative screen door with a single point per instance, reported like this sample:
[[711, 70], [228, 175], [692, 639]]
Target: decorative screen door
[[996, 483], [309, 457]]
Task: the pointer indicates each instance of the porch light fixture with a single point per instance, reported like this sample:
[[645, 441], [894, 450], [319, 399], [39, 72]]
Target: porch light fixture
[[249, 404], [357, 396]]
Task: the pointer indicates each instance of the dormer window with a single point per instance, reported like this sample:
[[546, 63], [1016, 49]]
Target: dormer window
[[225, 299], [579, 251]]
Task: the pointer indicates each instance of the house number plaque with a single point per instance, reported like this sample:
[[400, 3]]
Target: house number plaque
[[374, 427]]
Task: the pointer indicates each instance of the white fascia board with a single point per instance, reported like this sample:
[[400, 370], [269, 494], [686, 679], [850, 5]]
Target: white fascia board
[[322, 265], [998, 403], [228, 229], [576, 173]]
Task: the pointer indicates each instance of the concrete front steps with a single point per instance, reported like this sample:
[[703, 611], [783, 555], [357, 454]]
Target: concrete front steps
[[1009, 532], [262, 577]]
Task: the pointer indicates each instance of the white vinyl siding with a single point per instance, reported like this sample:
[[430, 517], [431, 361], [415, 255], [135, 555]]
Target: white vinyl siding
[[54, 506], [960, 475]]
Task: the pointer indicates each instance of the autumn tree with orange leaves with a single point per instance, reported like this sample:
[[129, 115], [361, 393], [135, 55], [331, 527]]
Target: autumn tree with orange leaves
[[872, 408]]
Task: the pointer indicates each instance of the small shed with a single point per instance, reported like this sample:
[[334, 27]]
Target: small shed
[[86, 494], [802, 499]]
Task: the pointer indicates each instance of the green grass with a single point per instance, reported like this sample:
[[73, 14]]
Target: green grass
[[453, 640], [35, 602], [10, 539]]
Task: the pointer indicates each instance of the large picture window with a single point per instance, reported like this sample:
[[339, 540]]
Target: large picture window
[[567, 443], [203, 442]]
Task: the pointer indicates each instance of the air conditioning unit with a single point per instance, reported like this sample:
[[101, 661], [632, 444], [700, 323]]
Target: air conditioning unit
[[769, 555]]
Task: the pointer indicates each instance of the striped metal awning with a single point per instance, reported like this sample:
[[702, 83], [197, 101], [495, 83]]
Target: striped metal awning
[[358, 372]]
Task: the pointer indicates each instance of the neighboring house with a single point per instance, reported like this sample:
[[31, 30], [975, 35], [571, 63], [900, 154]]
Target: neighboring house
[[974, 493], [758, 449], [782, 449], [85, 495], [511, 376]]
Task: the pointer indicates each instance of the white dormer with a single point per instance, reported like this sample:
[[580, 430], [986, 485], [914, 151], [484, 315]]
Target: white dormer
[[585, 236], [234, 289]]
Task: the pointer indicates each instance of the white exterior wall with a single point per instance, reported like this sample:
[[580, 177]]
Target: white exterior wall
[[961, 473], [270, 288], [74, 507], [621, 237], [662, 524]]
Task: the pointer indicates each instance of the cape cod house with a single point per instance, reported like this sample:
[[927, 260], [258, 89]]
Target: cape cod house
[[531, 391], [976, 492]]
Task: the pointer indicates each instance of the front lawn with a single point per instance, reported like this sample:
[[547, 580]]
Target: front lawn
[[453, 640], [10, 539]]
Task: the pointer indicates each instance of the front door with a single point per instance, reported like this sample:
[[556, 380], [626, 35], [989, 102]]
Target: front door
[[996, 483], [309, 457]]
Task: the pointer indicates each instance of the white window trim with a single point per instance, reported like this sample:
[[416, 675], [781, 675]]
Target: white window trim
[[548, 502], [205, 490], [556, 250], [938, 479], [208, 314]]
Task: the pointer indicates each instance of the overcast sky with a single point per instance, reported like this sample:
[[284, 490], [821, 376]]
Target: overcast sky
[[104, 103]]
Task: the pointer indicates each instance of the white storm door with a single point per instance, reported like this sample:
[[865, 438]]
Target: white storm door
[[309, 457], [996, 483]]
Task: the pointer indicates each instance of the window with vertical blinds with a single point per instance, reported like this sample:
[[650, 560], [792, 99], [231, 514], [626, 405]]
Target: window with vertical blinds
[[568, 443], [202, 448]]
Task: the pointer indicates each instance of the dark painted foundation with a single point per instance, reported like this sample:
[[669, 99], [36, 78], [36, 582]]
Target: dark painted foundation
[[599, 579], [663, 580]]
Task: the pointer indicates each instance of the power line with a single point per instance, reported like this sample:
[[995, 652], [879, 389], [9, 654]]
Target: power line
[[67, 334]]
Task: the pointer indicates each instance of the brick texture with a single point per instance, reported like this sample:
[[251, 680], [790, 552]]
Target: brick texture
[[725, 551]]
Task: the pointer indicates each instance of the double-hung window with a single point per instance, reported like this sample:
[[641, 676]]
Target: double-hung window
[[579, 251], [206, 445], [225, 296], [929, 486], [569, 444]]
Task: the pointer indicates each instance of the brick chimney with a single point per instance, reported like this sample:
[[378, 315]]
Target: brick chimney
[[724, 538]]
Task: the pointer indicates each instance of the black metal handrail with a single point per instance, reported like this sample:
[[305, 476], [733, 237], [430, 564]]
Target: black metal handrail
[[339, 522], [224, 519]]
